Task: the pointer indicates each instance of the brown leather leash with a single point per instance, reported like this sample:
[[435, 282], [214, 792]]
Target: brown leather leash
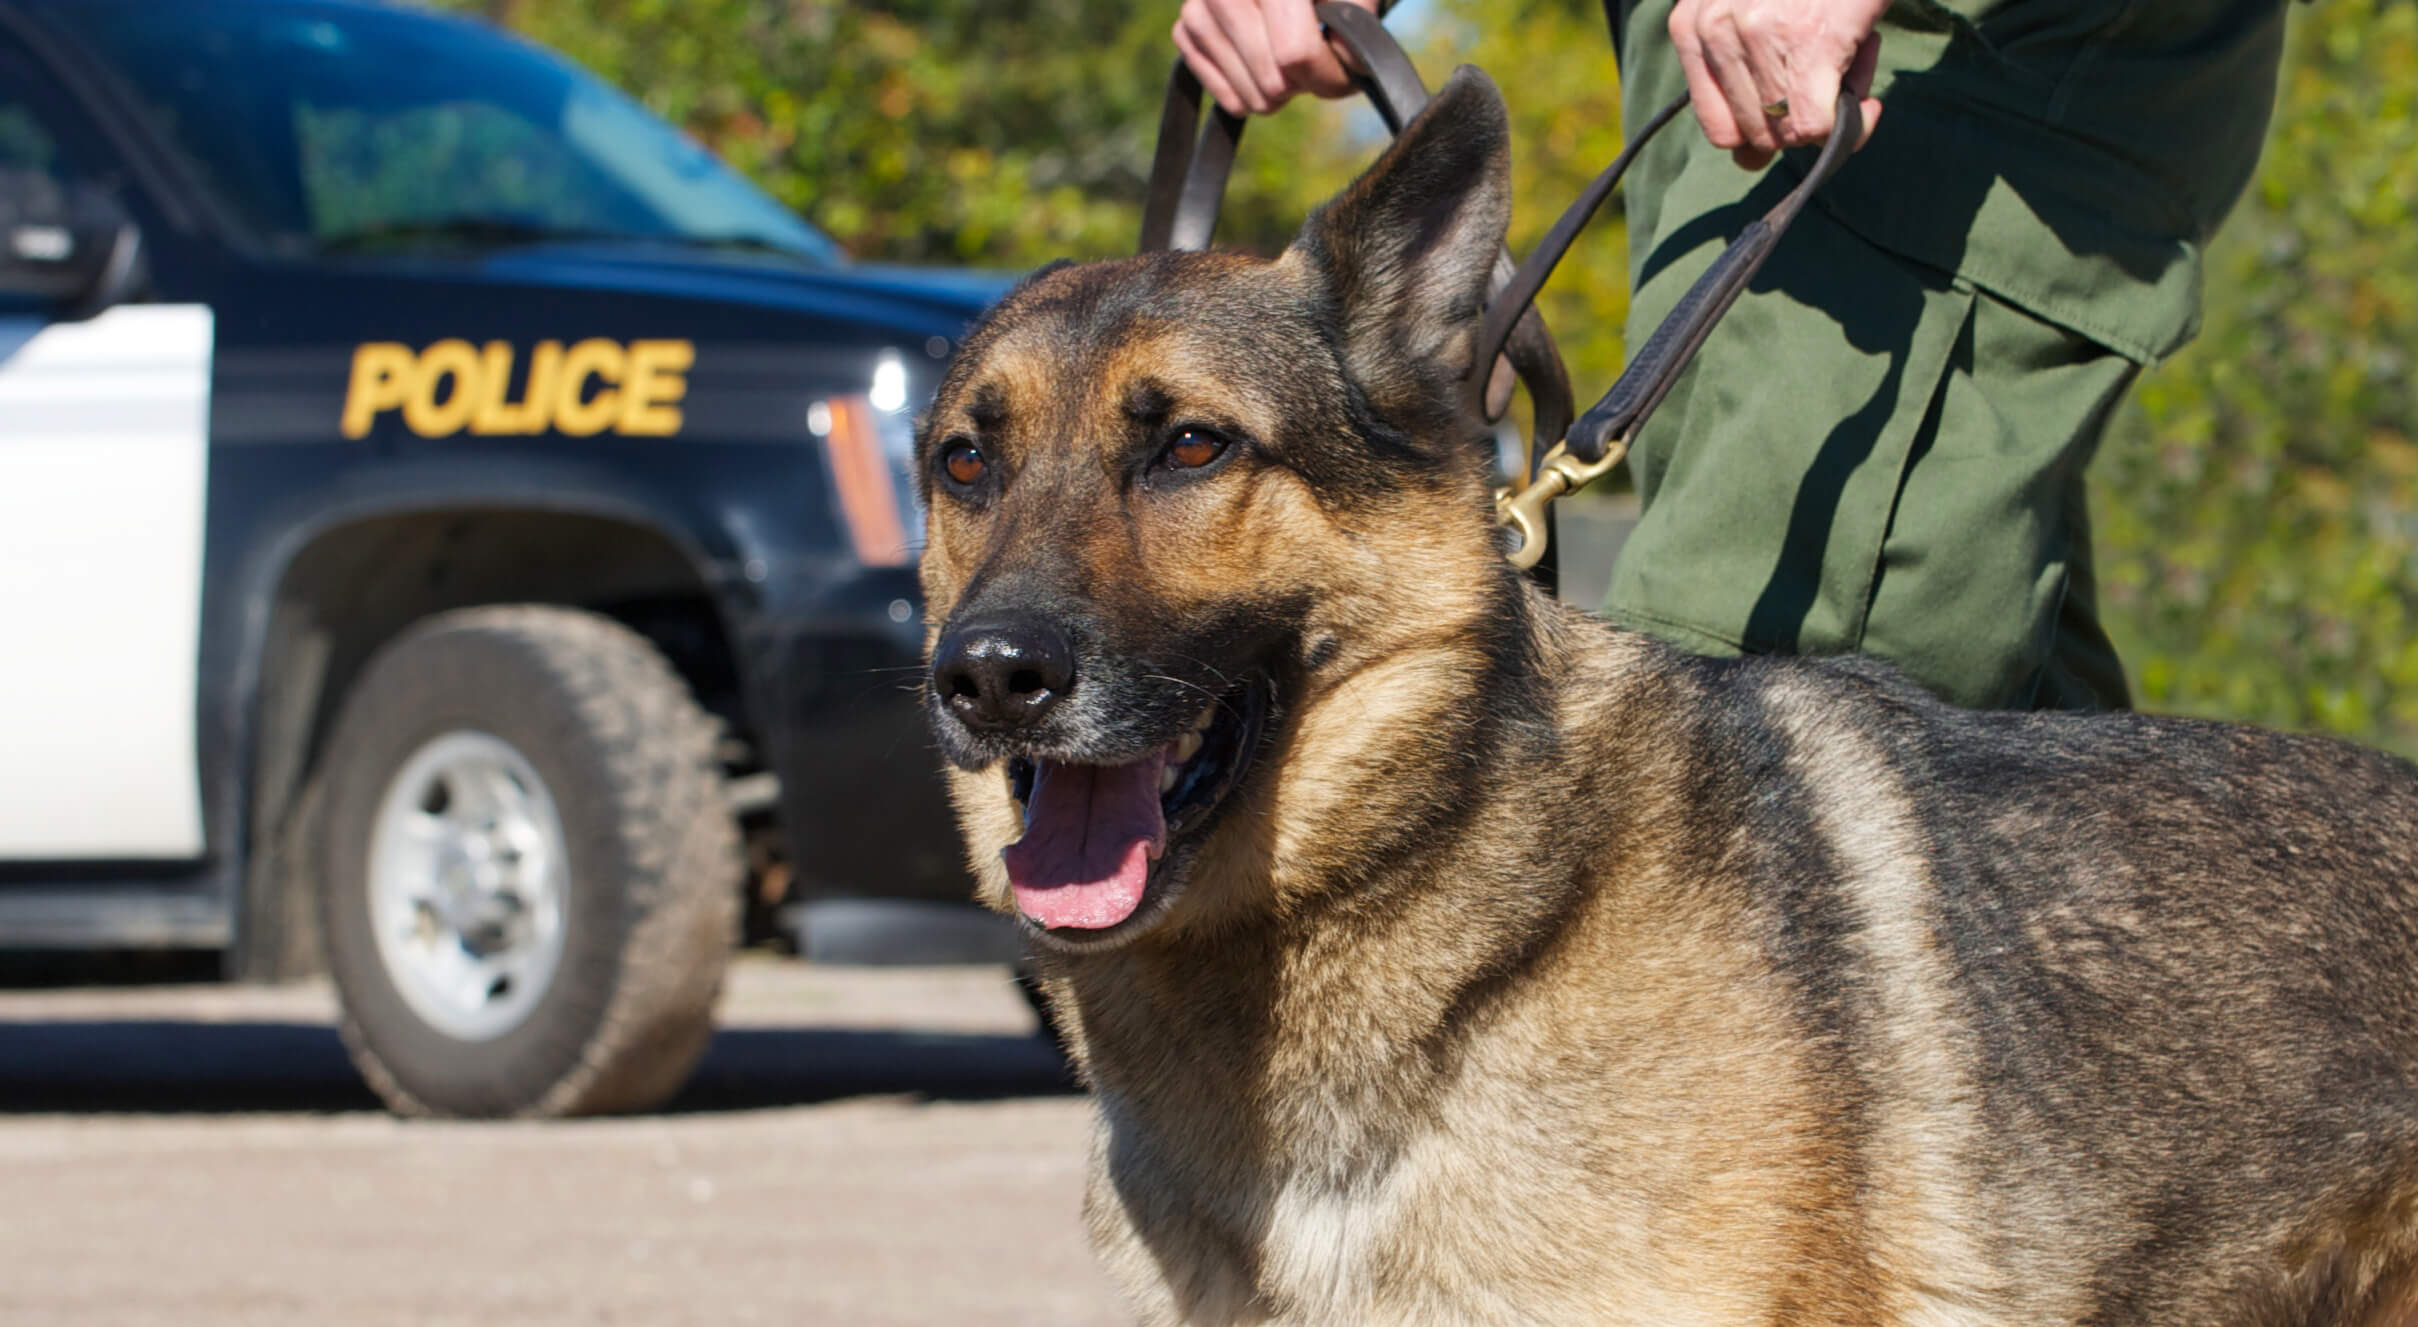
[[1188, 185], [1188, 176]]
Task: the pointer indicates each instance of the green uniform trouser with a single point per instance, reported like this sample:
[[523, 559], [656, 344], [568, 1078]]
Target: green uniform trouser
[[1881, 448], [1902, 477]]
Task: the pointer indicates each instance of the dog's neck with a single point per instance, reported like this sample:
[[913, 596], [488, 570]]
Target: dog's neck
[[1360, 849]]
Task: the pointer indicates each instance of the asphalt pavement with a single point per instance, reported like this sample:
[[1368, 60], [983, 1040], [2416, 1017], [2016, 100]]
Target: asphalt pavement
[[861, 1146]]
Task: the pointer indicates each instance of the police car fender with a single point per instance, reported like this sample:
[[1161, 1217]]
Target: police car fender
[[103, 468]]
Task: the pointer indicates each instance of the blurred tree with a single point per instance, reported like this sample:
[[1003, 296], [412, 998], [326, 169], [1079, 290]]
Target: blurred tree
[[1553, 59], [1016, 131], [2259, 508], [1003, 133]]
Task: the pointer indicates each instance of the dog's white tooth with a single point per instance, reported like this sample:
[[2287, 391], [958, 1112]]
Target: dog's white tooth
[[1207, 716], [1166, 779], [1187, 746]]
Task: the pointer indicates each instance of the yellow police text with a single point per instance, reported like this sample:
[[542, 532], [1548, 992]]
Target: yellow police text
[[580, 390]]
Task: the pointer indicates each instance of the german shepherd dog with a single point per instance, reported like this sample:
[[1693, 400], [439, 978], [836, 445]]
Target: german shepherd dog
[[1440, 954]]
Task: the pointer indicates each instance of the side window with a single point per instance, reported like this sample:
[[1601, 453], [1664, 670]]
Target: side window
[[371, 169]]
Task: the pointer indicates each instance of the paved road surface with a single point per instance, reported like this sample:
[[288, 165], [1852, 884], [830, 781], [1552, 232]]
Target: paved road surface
[[861, 1147]]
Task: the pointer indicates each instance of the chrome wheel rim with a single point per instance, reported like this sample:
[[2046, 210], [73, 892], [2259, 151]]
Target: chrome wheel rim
[[468, 884]]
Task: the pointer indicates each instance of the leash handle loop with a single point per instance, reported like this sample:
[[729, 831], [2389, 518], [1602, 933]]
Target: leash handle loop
[[1193, 160], [1651, 372], [1600, 438], [1188, 169], [1518, 295]]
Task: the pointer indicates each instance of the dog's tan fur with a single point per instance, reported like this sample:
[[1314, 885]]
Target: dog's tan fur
[[1538, 973]]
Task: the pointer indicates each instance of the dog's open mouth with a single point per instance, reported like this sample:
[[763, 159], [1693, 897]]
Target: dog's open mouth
[[1094, 834]]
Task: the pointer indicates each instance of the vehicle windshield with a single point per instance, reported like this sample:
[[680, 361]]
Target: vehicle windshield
[[341, 128]]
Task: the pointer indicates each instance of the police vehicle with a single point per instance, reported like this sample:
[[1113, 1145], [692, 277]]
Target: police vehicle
[[451, 530]]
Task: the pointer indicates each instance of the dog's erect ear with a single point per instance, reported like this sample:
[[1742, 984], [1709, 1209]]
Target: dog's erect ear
[[1407, 249]]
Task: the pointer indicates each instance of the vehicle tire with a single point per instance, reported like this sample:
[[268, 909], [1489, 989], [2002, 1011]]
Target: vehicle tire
[[529, 877]]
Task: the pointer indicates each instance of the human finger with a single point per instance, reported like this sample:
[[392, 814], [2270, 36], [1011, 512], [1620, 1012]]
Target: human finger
[[1741, 79], [1303, 57], [1752, 158], [1813, 97], [1245, 24], [1704, 94], [1214, 62], [1800, 53], [1791, 60]]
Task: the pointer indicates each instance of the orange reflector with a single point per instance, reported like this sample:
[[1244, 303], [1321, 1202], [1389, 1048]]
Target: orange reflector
[[868, 491]]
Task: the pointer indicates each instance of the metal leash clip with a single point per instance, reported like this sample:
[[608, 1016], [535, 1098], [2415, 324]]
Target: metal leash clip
[[1523, 509]]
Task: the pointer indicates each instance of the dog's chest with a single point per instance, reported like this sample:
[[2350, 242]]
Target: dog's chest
[[1346, 1229], [1233, 1236], [1328, 1235]]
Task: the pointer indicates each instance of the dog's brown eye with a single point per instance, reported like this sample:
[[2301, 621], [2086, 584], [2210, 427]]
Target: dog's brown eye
[[964, 463], [1193, 449]]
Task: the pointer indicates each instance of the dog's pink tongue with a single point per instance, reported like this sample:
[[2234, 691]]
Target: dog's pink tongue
[[1090, 834]]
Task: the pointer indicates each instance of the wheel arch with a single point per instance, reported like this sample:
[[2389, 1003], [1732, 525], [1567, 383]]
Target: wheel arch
[[337, 591], [575, 748]]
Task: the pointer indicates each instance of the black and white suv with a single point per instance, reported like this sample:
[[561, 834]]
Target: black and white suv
[[442, 512]]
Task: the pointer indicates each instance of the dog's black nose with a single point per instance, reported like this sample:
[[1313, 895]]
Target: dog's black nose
[[1002, 675]]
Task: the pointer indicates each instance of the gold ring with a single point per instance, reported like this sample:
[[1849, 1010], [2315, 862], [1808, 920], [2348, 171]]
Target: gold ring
[[1776, 110]]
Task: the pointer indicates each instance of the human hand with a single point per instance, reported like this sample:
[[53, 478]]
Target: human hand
[[1746, 59], [1253, 55]]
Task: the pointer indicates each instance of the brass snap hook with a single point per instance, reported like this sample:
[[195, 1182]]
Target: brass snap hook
[[1523, 509]]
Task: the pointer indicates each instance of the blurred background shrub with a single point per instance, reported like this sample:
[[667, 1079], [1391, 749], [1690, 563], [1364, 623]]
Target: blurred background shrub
[[1006, 133], [2257, 504], [2258, 508]]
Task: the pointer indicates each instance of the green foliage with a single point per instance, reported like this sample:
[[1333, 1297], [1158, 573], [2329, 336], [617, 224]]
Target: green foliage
[[2258, 513], [1553, 59], [2257, 508], [1016, 131], [1003, 134]]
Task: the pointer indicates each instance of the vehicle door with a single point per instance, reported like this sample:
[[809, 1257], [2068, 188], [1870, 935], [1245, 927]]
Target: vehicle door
[[103, 456]]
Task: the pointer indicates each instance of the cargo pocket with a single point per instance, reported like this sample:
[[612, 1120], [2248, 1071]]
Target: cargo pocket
[[1769, 474], [1985, 567]]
